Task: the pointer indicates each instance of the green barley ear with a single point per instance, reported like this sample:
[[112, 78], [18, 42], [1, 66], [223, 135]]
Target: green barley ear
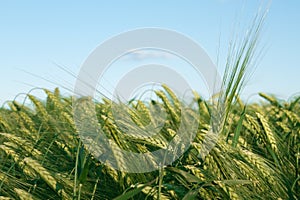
[[173, 96], [56, 92], [4, 125], [294, 103], [240, 58], [270, 99], [12, 106], [169, 106], [40, 108], [53, 99], [269, 134]]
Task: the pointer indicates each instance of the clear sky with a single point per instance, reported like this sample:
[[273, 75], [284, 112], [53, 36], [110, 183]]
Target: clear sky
[[36, 36]]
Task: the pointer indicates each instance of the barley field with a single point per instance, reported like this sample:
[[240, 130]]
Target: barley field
[[256, 155]]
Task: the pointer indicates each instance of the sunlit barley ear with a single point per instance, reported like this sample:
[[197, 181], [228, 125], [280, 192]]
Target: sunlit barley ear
[[24, 195]]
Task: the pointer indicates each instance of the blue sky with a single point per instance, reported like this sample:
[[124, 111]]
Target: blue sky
[[36, 36]]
